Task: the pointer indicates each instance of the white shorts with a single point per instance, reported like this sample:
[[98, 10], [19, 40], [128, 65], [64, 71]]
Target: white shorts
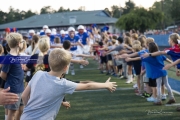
[[76, 52]]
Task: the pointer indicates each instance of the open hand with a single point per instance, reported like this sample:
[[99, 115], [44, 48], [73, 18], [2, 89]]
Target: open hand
[[177, 72], [168, 66], [124, 56], [7, 98], [84, 62], [66, 105], [111, 86], [128, 59], [145, 55]]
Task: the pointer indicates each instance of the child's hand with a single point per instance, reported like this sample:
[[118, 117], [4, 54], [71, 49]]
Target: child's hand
[[145, 55], [124, 56], [84, 62], [128, 59], [66, 105], [177, 72], [111, 86], [167, 67]]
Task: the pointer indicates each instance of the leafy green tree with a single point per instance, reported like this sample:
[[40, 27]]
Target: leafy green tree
[[140, 19]]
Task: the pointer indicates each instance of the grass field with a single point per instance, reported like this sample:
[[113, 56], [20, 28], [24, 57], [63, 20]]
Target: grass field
[[103, 105]]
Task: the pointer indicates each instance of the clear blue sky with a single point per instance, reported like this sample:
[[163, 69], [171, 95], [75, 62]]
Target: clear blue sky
[[36, 5]]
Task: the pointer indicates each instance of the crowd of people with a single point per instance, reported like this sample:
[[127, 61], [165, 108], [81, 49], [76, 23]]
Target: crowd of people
[[131, 57]]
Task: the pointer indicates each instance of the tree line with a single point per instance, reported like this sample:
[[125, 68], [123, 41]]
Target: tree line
[[160, 15]]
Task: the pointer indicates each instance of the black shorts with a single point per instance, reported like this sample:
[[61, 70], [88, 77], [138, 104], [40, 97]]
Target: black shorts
[[103, 59], [152, 83], [137, 67], [120, 67], [130, 63], [2, 83], [95, 53], [28, 78]]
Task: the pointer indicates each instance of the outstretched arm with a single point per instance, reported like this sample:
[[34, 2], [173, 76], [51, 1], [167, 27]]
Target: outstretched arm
[[133, 59], [168, 66], [7, 98], [111, 86], [154, 54]]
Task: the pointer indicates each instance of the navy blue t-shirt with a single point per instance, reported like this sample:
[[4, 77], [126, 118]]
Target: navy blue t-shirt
[[174, 56], [83, 37], [73, 40], [15, 77]]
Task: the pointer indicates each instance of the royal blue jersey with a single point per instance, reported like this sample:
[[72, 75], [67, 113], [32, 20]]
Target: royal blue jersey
[[83, 37], [42, 33], [73, 40]]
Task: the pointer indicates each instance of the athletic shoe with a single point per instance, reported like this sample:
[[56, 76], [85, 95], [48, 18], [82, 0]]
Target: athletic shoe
[[158, 103], [146, 95], [108, 73], [171, 101], [112, 73], [151, 99], [81, 66], [178, 109], [128, 82], [163, 97], [115, 75], [135, 86], [102, 72], [72, 72], [121, 77]]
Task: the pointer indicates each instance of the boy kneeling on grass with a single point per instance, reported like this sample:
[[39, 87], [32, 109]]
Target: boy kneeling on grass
[[45, 92]]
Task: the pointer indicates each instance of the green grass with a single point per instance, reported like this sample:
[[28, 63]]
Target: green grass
[[103, 105]]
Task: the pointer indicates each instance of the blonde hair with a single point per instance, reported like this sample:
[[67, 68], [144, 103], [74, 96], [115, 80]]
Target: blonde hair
[[13, 39], [137, 47], [134, 36], [44, 46], [149, 40], [174, 38], [142, 39], [59, 59], [127, 40], [35, 40], [24, 46], [136, 42], [1, 49]]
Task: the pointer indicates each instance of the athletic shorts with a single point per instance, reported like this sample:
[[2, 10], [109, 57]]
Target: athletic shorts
[[103, 59], [110, 62], [137, 67], [16, 105], [152, 83]]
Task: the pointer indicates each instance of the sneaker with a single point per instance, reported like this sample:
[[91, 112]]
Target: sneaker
[[115, 75], [108, 73], [135, 86], [72, 72], [171, 101], [151, 99], [112, 73], [178, 109], [121, 77], [81, 66], [102, 72], [128, 82], [158, 103], [146, 95], [163, 98]]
